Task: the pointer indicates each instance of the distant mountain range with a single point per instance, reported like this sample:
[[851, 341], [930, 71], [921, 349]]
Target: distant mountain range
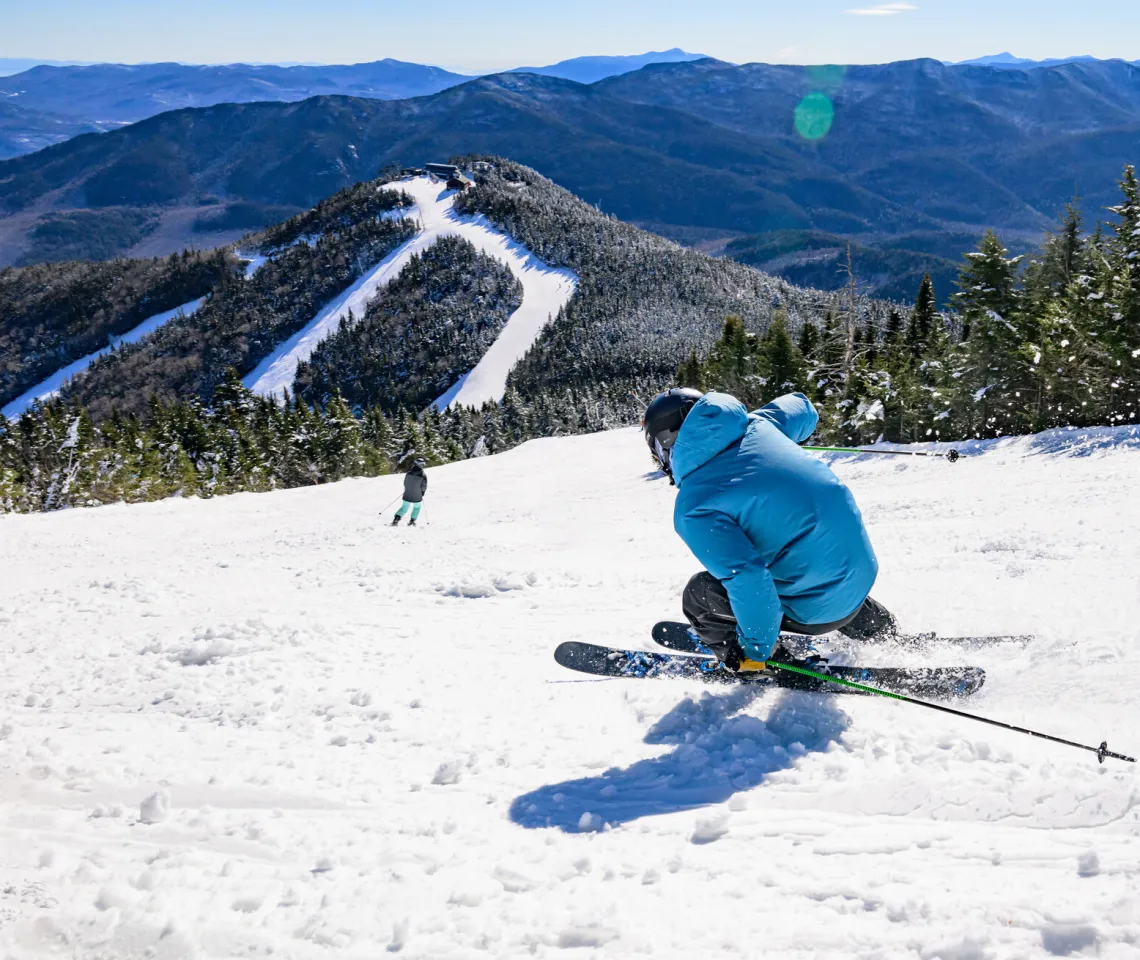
[[593, 69], [57, 101], [919, 158], [11, 65], [25, 131], [118, 93], [1007, 61], [50, 101]]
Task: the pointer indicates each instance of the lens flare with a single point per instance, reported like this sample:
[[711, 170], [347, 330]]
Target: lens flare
[[814, 116]]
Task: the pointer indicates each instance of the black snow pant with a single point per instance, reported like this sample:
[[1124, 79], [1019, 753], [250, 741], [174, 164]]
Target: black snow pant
[[708, 609]]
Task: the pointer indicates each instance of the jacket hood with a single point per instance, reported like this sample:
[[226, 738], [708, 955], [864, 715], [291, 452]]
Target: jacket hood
[[715, 423]]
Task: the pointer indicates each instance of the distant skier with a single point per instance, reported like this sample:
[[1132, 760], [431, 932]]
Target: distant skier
[[781, 539], [415, 486]]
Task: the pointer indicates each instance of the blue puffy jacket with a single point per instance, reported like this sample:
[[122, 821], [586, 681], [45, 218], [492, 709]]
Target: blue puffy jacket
[[770, 521]]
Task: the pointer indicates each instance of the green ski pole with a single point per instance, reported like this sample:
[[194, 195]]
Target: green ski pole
[[950, 455], [1101, 752]]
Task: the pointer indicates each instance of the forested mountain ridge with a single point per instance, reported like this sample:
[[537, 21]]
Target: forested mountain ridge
[[42, 104], [605, 143], [923, 134], [1056, 344], [699, 151], [118, 93], [640, 303], [52, 314]]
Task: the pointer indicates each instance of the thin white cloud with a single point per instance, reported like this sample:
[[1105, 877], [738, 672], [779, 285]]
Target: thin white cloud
[[883, 10]]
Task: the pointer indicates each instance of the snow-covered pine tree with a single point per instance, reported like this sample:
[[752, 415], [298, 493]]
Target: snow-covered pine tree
[[780, 362], [342, 452], [992, 368], [923, 318], [1123, 338]]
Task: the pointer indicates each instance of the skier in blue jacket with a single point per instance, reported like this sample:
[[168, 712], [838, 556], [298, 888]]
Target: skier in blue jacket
[[781, 539]]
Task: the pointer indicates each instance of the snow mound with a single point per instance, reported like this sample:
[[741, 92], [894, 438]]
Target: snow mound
[[355, 760]]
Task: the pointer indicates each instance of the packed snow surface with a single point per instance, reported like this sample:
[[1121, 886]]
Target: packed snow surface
[[52, 385], [545, 291], [272, 725]]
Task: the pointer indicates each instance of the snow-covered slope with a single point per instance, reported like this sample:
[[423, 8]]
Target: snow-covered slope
[[52, 385], [270, 724], [545, 290]]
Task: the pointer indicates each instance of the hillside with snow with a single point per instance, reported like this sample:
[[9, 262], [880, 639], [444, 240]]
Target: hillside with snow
[[545, 291], [270, 724], [50, 386]]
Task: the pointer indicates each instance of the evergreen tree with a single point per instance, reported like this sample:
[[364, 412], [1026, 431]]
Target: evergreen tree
[[1061, 253], [923, 319], [780, 362], [994, 365], [734, 364], [342, 453], [808, 342], [1122, 336], [689, 371]]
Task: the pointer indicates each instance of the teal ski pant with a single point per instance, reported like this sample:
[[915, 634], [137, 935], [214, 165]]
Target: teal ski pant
[[415, 508]]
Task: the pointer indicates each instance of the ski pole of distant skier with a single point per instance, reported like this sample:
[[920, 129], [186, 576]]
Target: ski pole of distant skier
[[1101, 752], [384, 509], [950, 455]]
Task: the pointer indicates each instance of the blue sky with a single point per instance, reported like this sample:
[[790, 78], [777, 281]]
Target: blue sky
[[481, 35]]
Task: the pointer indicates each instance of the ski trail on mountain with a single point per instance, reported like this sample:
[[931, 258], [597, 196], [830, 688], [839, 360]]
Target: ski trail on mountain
[[50, 387], [545, 290]]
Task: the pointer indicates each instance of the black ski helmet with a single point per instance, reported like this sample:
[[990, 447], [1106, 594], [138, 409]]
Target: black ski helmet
[[663, 418]]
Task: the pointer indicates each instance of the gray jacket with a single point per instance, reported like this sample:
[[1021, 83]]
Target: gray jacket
[[415, 485]]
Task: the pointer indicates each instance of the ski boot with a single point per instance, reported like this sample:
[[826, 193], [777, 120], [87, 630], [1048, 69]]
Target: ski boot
[[412, 522], [874, 623], [738, 662], [396, 520]]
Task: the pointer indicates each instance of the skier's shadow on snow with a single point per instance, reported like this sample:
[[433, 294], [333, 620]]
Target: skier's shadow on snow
[[719, 752]]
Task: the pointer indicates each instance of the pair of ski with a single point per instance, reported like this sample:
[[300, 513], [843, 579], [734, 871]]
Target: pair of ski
[[687, 658]]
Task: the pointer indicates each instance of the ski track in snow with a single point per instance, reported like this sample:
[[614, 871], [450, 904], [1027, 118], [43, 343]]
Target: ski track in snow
[[53, 384], [545, 290], [221, 735]]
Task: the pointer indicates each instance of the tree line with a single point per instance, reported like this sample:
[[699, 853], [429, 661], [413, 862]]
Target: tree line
[[1049, 343], [57, 456]]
